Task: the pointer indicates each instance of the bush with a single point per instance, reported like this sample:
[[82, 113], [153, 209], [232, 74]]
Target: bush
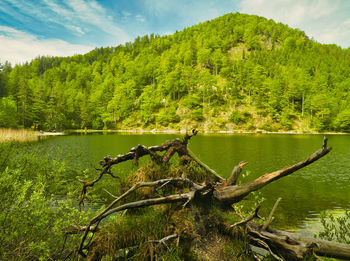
[[32, 224], [32, 220], [336, 228], [168, 115], [197, 115], [342, 121], [238, 117]]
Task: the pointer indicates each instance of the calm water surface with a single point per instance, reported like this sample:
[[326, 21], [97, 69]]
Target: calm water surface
[[324, 185]]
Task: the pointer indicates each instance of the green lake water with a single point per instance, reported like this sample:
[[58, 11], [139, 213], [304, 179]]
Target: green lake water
[[323, 185]]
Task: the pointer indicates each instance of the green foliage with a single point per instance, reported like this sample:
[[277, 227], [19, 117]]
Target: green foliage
[[239, 117], [336, 228], [237, 59], [32, 220], [8, 112], [342, 121]]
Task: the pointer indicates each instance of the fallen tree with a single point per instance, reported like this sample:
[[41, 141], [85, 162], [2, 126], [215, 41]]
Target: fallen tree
[[185, 191]]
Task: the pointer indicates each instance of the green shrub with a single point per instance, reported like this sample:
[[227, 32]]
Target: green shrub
[[342, 121], [197, 114], [238, 117], [32, 224], [336, 228]]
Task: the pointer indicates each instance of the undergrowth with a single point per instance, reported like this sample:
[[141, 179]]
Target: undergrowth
[[128, 235]]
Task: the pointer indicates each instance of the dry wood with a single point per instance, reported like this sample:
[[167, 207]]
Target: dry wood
[[236, 171], [250, 218], [170, 147], [280, 244], [185, 197], [235, 193], [206, 167], [163, 240], [268, 221], [292, 246]]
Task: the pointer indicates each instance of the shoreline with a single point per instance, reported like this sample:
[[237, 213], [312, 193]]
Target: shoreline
[[183, 131]]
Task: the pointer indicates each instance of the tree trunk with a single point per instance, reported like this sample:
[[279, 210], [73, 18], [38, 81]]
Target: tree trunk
[[215, 192]]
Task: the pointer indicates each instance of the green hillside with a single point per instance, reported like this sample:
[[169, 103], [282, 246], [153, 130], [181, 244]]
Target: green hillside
[[235, 72]]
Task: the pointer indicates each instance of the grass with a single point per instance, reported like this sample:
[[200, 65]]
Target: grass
[[21, 135]]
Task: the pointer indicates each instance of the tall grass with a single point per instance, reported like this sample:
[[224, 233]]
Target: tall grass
[[21, 135]]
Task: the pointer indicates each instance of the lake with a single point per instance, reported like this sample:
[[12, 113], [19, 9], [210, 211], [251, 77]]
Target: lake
[[323, 185]]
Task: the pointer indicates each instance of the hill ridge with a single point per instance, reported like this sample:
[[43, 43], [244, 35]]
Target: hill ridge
[[234, 72]]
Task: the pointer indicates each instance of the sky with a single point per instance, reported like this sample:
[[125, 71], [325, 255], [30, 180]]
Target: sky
[[29, 28]]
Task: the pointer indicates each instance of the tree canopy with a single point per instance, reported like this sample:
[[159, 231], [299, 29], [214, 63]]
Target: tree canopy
[[237, 71]]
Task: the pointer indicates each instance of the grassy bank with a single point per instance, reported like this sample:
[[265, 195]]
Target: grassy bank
[[20, 135]]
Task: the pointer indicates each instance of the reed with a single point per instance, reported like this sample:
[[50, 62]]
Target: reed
[[21, 135]]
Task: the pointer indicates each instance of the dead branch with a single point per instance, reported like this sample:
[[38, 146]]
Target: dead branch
[[261, 243], [203, 165], [170, 147], [163, 240], [287, 245], [186, 197], [267, 223], [250, 218], [293, 246], [235, 193], [232, 180]]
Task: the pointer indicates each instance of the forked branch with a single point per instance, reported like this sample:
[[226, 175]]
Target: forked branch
[[235, 193]]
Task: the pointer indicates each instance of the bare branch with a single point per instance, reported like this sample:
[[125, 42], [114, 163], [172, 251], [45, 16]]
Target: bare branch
[[170, 147], [267, 223], [250, 218], [163, 240], [109, 193], [232, 180], [266, 246], [142, 203], [203, 165], [235, 193]]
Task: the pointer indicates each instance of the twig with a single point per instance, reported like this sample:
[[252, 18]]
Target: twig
[[203, 165], [251, 217], [266, 246], [267, 223], [163, 240], [142, 203], [110, 193]]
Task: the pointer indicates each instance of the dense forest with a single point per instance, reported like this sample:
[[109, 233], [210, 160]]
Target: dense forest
[[235, 72]]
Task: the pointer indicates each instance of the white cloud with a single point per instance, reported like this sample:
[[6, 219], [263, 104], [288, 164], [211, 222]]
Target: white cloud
[[18, 47], [90, 12], [140, 18], [292, 12], [76, 29], [78, 16], [321, 19]]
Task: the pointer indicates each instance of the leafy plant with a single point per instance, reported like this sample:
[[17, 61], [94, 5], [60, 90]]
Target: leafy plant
[[336, 228]]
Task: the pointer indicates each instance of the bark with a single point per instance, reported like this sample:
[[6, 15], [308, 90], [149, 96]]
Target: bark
[[292, 246], [235, 193], [280, 244]]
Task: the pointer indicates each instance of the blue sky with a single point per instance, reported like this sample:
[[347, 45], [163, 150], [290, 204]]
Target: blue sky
[[29, 28]]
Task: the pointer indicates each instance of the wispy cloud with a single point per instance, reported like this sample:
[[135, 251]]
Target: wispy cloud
[[91, 13], [18, 47], [50, 27], [74, 15], [140, 18], [322, 20]]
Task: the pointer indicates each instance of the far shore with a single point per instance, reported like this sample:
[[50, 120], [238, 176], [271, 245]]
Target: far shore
[[183, 131], [24, 135]]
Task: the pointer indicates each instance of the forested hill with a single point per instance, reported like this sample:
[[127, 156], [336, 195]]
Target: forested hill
[[235, 72]]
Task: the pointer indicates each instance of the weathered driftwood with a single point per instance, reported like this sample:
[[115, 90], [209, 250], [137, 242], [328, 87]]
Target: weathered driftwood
[[280, 244], [233, 194], [293, 246], [170, 147]]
